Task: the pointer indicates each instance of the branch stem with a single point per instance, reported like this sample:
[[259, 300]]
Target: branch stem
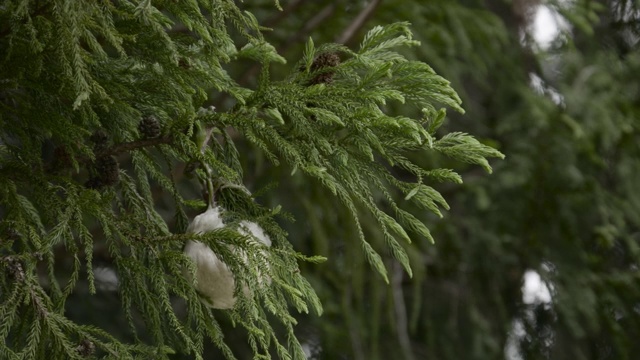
[[134, 145], [357, 23]]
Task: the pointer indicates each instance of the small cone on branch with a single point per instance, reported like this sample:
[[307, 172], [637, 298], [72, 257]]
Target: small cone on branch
[[106, 173], [86, 348], [61, 158], [149, 127], [108, 170], [100, 141], [324, 61], [15, 269]]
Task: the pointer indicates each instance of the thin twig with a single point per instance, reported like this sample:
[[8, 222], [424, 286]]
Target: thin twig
[[37, 301], [137, 144], [53, 167], [207, 138], [313, 23], [357, 23], [275, 20], [354, 331], [400, 310]]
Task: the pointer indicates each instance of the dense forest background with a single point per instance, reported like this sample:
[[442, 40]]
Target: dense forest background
[[562, 208]]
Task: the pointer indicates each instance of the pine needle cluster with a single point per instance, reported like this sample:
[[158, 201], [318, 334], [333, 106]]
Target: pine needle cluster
[[79, 158]]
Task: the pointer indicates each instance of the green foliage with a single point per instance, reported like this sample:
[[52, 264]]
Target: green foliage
[[563, 203], [335, 132], [80, 175]]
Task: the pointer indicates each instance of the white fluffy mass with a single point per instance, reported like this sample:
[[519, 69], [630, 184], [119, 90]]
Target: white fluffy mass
[[255, 230], [214, 280]]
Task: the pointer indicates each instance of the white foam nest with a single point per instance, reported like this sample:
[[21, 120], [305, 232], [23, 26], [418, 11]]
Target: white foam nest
[[214, 280]]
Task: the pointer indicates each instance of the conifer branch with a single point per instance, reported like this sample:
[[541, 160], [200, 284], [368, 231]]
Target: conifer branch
[[39, 11], [311, 25], [37, 301], [16, 269], [326, 120]]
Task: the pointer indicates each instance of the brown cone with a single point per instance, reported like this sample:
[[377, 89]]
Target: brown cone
[[324, 61], [149, 127]]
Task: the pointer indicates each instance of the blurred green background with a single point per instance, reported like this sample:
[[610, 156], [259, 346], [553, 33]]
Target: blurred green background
[[538, 260]]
